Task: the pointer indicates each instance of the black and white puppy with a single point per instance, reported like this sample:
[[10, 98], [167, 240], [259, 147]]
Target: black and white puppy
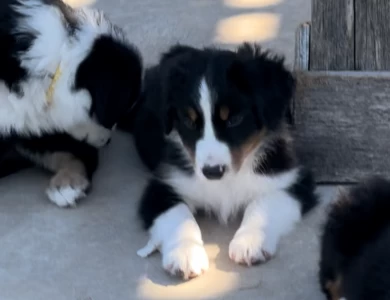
[[211, 127], [66, 78], [355, 244]]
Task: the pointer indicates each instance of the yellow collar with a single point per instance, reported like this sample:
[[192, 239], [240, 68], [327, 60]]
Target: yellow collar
[[50, 90]]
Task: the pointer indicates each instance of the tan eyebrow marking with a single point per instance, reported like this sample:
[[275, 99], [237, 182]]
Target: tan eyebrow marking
[[224, 113], [192, 114]]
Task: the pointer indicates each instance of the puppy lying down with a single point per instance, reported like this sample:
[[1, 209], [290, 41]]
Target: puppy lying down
[[211, 127], [67, 76]]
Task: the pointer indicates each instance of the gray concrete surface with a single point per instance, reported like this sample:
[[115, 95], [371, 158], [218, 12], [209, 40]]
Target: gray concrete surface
[[89, 253]]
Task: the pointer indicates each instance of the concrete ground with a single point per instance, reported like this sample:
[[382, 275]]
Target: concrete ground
[[89, 253]]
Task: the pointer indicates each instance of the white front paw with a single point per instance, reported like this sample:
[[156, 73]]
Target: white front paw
[[91, 133], [251, 246], [187, 259]]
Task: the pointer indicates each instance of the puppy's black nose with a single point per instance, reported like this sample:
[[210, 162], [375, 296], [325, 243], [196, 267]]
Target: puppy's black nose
[[214, 172]]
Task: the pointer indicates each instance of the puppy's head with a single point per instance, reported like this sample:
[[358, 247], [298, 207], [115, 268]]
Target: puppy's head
[[111, 73], [223, 104]]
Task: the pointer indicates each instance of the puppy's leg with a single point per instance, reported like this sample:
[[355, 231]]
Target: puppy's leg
[[70, 182], [174, 231], [265, 220], [91, 133], [72, 161]]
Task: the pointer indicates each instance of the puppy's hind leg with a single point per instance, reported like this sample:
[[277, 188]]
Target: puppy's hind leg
[[70, 182], [73, 163]]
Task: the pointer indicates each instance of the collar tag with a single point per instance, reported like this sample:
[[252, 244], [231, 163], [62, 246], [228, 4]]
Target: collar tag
[[50, 90]]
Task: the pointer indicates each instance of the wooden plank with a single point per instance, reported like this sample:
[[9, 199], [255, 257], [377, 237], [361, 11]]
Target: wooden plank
[[342, 124], [372, 34], [302, 47], [332, 35]]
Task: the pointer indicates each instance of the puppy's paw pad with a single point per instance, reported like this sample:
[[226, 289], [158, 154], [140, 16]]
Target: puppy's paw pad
[[249, 248], [186, 260]]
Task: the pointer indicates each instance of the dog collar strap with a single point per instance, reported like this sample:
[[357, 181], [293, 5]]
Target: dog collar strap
[[50, 90]]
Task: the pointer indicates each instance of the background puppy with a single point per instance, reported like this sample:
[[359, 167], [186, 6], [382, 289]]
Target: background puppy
[[67, 76], [211, 127], [355, 244]]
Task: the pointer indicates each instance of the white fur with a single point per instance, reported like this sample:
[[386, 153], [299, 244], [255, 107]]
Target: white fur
[[270, 212], [209, 151], [265, 221], [233, 192], [53, 47], [177, 235], [65, 196], [92, 133]]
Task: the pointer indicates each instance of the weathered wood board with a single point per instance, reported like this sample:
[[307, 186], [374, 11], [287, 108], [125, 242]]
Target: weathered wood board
[[332, 41], [302, 49], [372, 35], [342, 124]]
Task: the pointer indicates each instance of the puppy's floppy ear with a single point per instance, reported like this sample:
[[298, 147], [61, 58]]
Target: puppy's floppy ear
[[112, 74], [270, 82], [178, 68]]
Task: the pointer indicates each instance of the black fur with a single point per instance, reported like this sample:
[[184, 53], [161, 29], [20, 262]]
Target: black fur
[[13, 160], [355, 242], [149, 208], [117, 76], [303, 190], [11, 72], [277, 158]]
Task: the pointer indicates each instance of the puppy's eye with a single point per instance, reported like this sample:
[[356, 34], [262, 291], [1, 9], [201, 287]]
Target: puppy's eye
[[234, 120], [189, 123], [190, 118]]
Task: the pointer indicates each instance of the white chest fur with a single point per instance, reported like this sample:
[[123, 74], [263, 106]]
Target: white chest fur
[[227, 196]]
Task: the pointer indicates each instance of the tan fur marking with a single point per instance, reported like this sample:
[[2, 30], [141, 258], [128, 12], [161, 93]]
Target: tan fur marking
[[224, 113], [246, 148], [192, 114], [334, 288], [69, 171]]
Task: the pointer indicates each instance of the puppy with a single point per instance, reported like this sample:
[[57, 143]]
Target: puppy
[[355, 244], [67, 76], [211, 126]]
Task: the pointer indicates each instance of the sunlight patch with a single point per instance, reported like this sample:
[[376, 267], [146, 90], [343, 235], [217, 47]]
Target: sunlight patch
[[79, 3], [251, 3], [257, 27]]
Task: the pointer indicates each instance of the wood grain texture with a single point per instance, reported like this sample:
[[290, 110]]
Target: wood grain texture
[[332, 35], [302, 47], [342, 124], [372, 34]]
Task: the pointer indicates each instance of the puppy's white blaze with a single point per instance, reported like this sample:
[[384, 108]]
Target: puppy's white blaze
[[174, 226], [209, 151]]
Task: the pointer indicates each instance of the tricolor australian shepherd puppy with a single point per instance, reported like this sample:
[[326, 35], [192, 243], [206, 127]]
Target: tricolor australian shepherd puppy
[[66, 77], [355, 244], [211, 126]]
